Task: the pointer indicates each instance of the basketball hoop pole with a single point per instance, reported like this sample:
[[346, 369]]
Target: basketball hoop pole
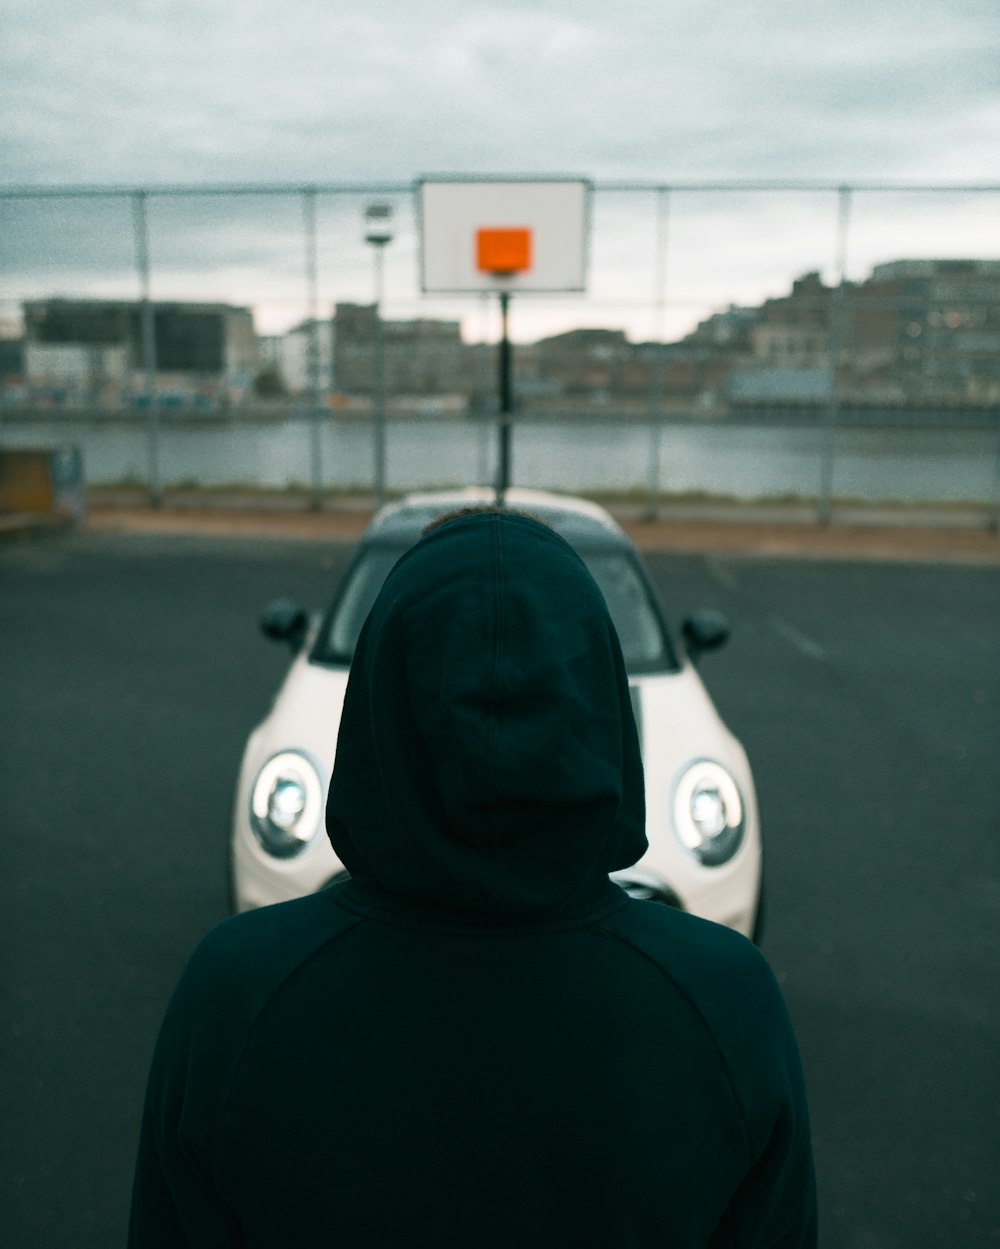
[[506, 401], [501, 236]]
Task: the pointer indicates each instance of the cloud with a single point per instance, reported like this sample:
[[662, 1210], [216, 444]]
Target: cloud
[[189, 90], [132, 92]]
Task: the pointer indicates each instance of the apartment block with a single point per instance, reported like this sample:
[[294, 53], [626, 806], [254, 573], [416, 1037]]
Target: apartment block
[[95, 349]]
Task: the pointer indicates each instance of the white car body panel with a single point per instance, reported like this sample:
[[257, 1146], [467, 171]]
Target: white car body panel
[[679, 725]]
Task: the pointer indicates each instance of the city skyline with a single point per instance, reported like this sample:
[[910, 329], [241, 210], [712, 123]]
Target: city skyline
[[190, 90], [914, 331]]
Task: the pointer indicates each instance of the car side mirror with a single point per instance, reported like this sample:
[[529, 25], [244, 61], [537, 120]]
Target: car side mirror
[[704, 630], [285, 621]]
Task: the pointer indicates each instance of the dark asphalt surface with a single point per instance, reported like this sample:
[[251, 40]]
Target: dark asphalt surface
[[868, 696]]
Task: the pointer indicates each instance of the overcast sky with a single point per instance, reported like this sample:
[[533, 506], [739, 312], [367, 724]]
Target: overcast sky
[[141, 92]]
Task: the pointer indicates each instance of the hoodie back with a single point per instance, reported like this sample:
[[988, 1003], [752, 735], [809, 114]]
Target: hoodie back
[[478, 1040]]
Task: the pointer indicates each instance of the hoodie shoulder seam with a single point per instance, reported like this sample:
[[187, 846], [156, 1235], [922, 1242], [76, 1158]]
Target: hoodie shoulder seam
[[696, 1011], [254, 1023]]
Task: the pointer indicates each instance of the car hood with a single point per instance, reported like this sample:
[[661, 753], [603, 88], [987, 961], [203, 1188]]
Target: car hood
[[488, 760]]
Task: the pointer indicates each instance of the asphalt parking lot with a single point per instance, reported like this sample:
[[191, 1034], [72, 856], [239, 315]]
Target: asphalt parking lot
[[867, 693]]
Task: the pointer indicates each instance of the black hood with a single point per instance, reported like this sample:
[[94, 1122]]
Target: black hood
[[488, 760]]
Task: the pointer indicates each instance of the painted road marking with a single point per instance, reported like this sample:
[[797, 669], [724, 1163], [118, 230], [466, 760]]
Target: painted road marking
[[722, 574], [804, 644]]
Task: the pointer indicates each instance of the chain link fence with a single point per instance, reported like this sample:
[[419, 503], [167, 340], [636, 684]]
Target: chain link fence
[[824, 345]]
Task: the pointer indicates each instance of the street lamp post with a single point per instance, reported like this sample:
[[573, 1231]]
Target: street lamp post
[[378, 232], [148, 324]]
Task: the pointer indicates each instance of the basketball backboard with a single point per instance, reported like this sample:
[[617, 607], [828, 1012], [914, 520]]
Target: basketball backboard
[[503, 234]]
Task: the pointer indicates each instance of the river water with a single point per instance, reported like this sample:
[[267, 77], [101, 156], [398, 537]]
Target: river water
[[736, 461]]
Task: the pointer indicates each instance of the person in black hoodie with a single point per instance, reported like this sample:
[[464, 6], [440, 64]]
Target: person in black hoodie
[[479, 1040]]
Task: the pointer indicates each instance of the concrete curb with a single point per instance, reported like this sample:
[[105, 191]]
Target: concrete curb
[[940, 535], [15, 524], [740, 535]]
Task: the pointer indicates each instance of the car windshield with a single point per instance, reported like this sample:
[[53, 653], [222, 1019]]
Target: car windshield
[[638, 624]]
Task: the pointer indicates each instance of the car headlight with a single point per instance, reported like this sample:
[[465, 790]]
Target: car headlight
[[709, 814], [286, 804]]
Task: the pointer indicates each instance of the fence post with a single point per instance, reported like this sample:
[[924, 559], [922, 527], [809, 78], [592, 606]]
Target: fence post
[[379, 387], [659, 364], [995, 514], [312, 298], [148, 328], [835, 345]]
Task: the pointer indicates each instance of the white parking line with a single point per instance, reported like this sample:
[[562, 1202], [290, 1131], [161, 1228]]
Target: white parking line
[[801, 641], [723, 575]]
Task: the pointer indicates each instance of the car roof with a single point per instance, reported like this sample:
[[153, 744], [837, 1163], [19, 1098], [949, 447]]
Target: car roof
[[581, 522]]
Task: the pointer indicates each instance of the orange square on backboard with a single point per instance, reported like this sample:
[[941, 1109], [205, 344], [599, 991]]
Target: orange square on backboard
[[504, 249]]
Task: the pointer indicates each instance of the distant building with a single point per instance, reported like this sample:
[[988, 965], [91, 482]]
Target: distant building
[[269, 350], [291, 355], [588, 365], [928, 331], [94, 348], [793, 331], [422, 357], [915, 332], [11, 359], [729, 330], [698, 367], [779, 385]]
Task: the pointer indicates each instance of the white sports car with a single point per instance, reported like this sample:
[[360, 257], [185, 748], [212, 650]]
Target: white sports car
[[701, 810]]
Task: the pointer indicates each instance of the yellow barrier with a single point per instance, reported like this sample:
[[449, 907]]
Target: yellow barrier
[[42, 482]]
